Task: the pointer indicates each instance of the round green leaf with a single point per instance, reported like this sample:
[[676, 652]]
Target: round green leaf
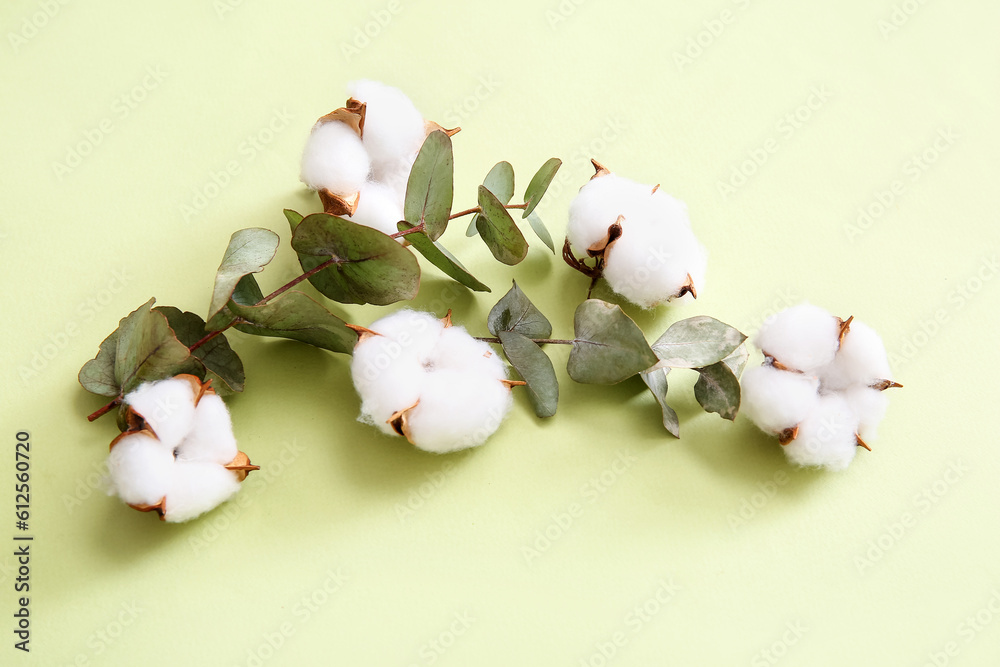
[[249, 251], [515, 312], [718, 390], [609, 347], [368, 266], [498, 230], [500, 181], [217, 357], [295, 316], [696, 342]]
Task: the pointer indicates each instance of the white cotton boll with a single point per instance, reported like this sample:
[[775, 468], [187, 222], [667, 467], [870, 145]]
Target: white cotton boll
[[393, 126], [378, 208], [386, 383], [803, 337], [416, 332], [395, 175], [666, 209], [597, 206], [140, 469], [862, 359], [211, 438], [826, 438], [168, 408], [649, 264], [457, 350], [196, 488], [458, 410], [869, 405], [334, 159], [777, 400]]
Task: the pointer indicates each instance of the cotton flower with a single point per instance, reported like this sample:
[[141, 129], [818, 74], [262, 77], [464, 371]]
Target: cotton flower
[[820, 388], [179, 457], [429, 381], [641, 236], [358, 158]]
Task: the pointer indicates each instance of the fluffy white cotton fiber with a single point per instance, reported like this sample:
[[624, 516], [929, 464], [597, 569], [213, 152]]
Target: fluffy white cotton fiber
[[334, 159], [446, 385], [819, 389], [376, 165], [183, 462], [802, 338], [657, 254]]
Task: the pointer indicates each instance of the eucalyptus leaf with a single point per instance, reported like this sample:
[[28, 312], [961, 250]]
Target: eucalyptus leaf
[[367, 266], [249, 251], [515, 312], [322, 281], [295, 315], [718, 390], [247, 293], [609, 347], [217, 357], [98, 375], [536, 368], [539, 184], [498, 230], [541, 231], [697, 342], [430, 188], [473, 227], [500, 181], [142, 349], [737, 360], [656, 380], [435, 256]]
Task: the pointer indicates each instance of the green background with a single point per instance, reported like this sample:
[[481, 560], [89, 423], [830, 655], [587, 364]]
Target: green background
[[352, 548]]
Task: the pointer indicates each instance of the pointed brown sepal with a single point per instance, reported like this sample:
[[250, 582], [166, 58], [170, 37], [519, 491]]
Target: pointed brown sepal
[[614, 233], [446, 320], [788, 435], [688, 288], [337, 205], [353, 114], [241, 466], [400, 421], [510, 384], [655, 188], [862, 443], [599, 169], [882, 385], [159, 508], [431, 126], [363, 332], [845, 327]]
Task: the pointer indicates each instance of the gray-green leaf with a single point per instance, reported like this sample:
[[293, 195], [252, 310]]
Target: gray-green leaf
[[536, 368], [500, 181], [296, 316], [498, 230], [539, 184], [541, 231], [216, 355], [430, 187], [368, 266], [515, 312], [438, 258], [98, 375], [696, 342], [718, 390], [656, 380], [249, 251], [737, 360], [609, 346]]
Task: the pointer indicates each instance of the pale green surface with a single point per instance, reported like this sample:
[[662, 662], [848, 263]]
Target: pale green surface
[[334, 503]]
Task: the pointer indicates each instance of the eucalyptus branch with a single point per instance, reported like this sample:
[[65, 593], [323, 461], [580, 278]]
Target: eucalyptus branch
[[478, 209], [538, 341]]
